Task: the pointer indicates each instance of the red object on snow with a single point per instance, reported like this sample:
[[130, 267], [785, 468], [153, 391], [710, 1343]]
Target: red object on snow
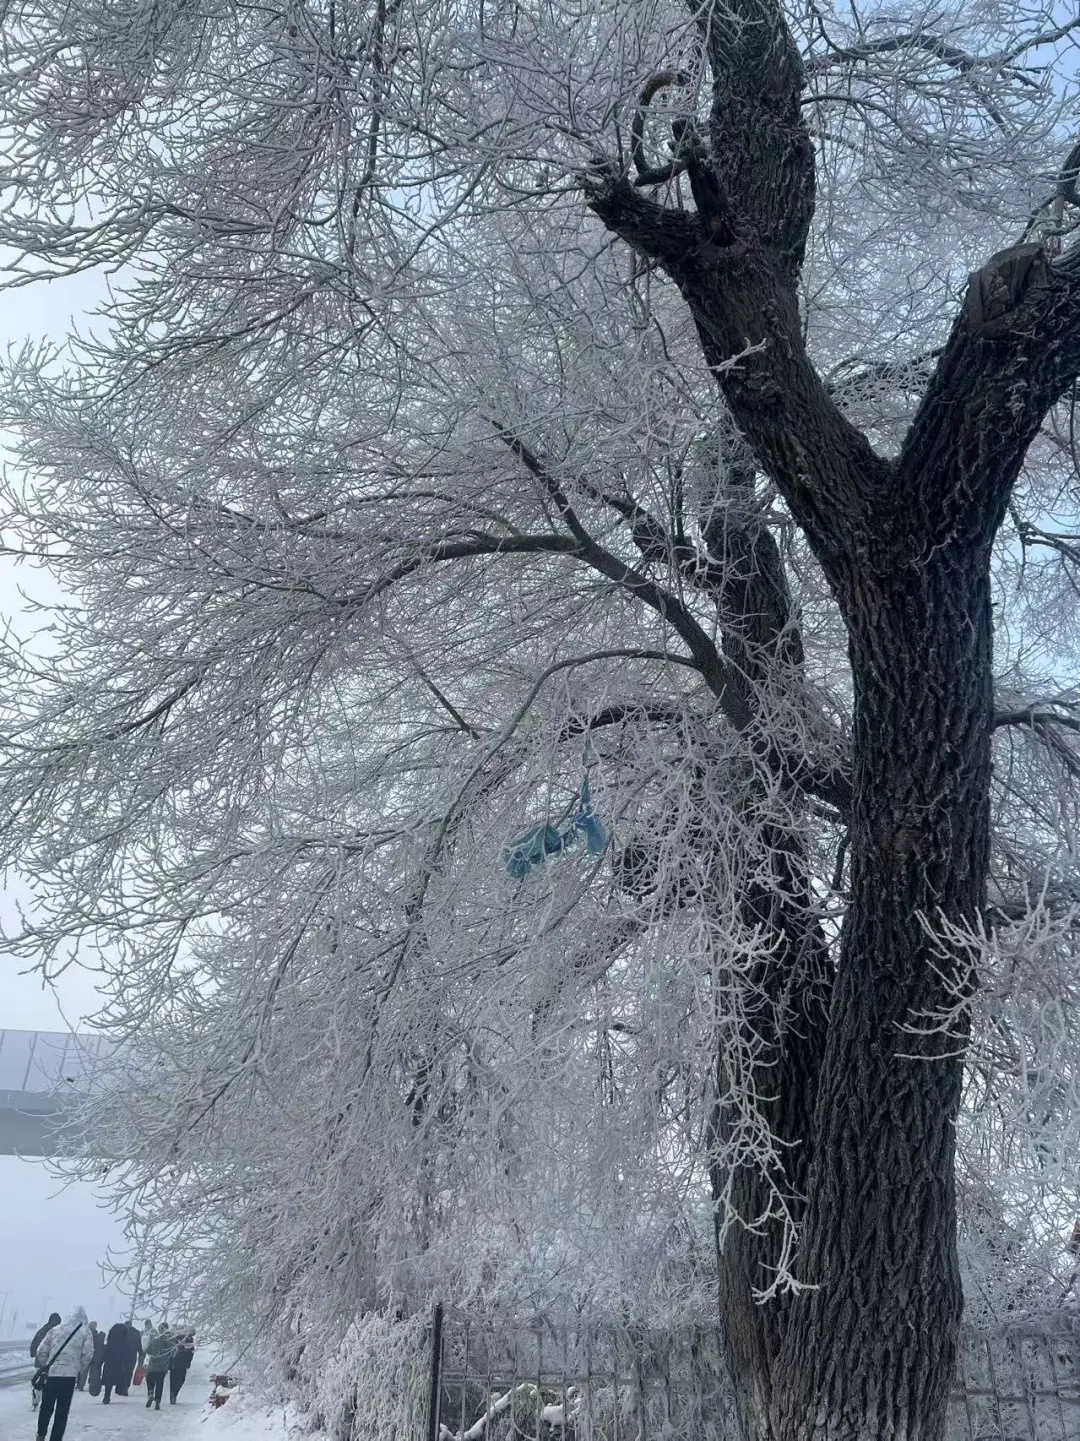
[[221, 1388]]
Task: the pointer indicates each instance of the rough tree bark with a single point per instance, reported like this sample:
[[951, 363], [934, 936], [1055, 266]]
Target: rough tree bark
[[868, 1349], [762, 641]]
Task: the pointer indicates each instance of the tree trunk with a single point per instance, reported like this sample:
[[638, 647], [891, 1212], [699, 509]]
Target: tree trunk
[[868, 1348], [793, 1028], [763, 643], [870, 1352]]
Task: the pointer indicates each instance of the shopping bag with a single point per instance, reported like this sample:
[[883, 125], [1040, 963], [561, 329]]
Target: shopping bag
[[139, 1377]]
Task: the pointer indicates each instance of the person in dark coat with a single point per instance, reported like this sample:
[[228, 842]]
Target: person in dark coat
[[116, 1362], [180, 1363], [84, 1374], [135, 1351], [42, 1332], [93, 1380]]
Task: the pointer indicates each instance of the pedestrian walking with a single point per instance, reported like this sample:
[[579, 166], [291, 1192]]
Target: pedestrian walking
[[181, 1363], [160, 1350], [39, 1336], [94, 1378], [62, 1354], [135, 1354], [115, 1367], [84, 1374]]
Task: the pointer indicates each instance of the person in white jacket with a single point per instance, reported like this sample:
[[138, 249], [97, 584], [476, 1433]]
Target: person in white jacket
[[64, 1351]]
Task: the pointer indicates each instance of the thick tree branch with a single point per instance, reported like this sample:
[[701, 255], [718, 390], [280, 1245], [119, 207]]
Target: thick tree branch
[[625, 711], [653, 174], [1034, 718], [1047, 727], [822, 465], [763, 157], [580, 545], [656, 232], [1014, 350], [742, 574], [718, 676], [440, 551], [736, 261], [747, 584], [919, 40]]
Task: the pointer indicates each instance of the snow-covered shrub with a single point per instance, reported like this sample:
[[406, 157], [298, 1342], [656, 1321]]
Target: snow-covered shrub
[[374, 1384]]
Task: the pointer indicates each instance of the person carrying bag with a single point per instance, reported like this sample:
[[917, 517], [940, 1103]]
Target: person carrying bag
[[39, 1336], [160, 1350], [58, 1369]]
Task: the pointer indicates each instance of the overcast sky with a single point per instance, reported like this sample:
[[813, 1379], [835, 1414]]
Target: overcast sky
[[53, 1239], [54, 1236]]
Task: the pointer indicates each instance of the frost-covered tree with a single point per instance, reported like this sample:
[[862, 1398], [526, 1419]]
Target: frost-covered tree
[[521, 743]]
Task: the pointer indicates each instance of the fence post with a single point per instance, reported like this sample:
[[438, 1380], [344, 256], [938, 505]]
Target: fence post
[[436, 1373], [639, 1377]]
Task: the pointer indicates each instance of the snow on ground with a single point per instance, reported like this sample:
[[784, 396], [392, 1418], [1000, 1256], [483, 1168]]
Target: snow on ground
[[244, 1419], [127, 1419]]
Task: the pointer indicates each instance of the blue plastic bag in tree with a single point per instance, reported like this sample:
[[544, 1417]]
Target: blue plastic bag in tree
[[586, 820], [534, 847]]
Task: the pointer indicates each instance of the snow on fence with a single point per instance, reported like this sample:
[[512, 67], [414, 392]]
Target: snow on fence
[[579, 1381], [1019, 1383], [455, 1377]]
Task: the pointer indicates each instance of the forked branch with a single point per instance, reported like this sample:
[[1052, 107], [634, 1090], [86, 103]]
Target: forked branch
[[654, 174]]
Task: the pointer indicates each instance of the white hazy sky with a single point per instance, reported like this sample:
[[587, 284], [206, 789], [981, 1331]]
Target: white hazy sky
[[54, 1239]]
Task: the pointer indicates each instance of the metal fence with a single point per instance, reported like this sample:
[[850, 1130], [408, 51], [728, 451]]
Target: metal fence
[[596, 1383], [554, 1382], [1020, 1383]]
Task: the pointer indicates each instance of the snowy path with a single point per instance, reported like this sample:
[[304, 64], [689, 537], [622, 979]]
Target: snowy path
[[124, 1419], [127, 1419]]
